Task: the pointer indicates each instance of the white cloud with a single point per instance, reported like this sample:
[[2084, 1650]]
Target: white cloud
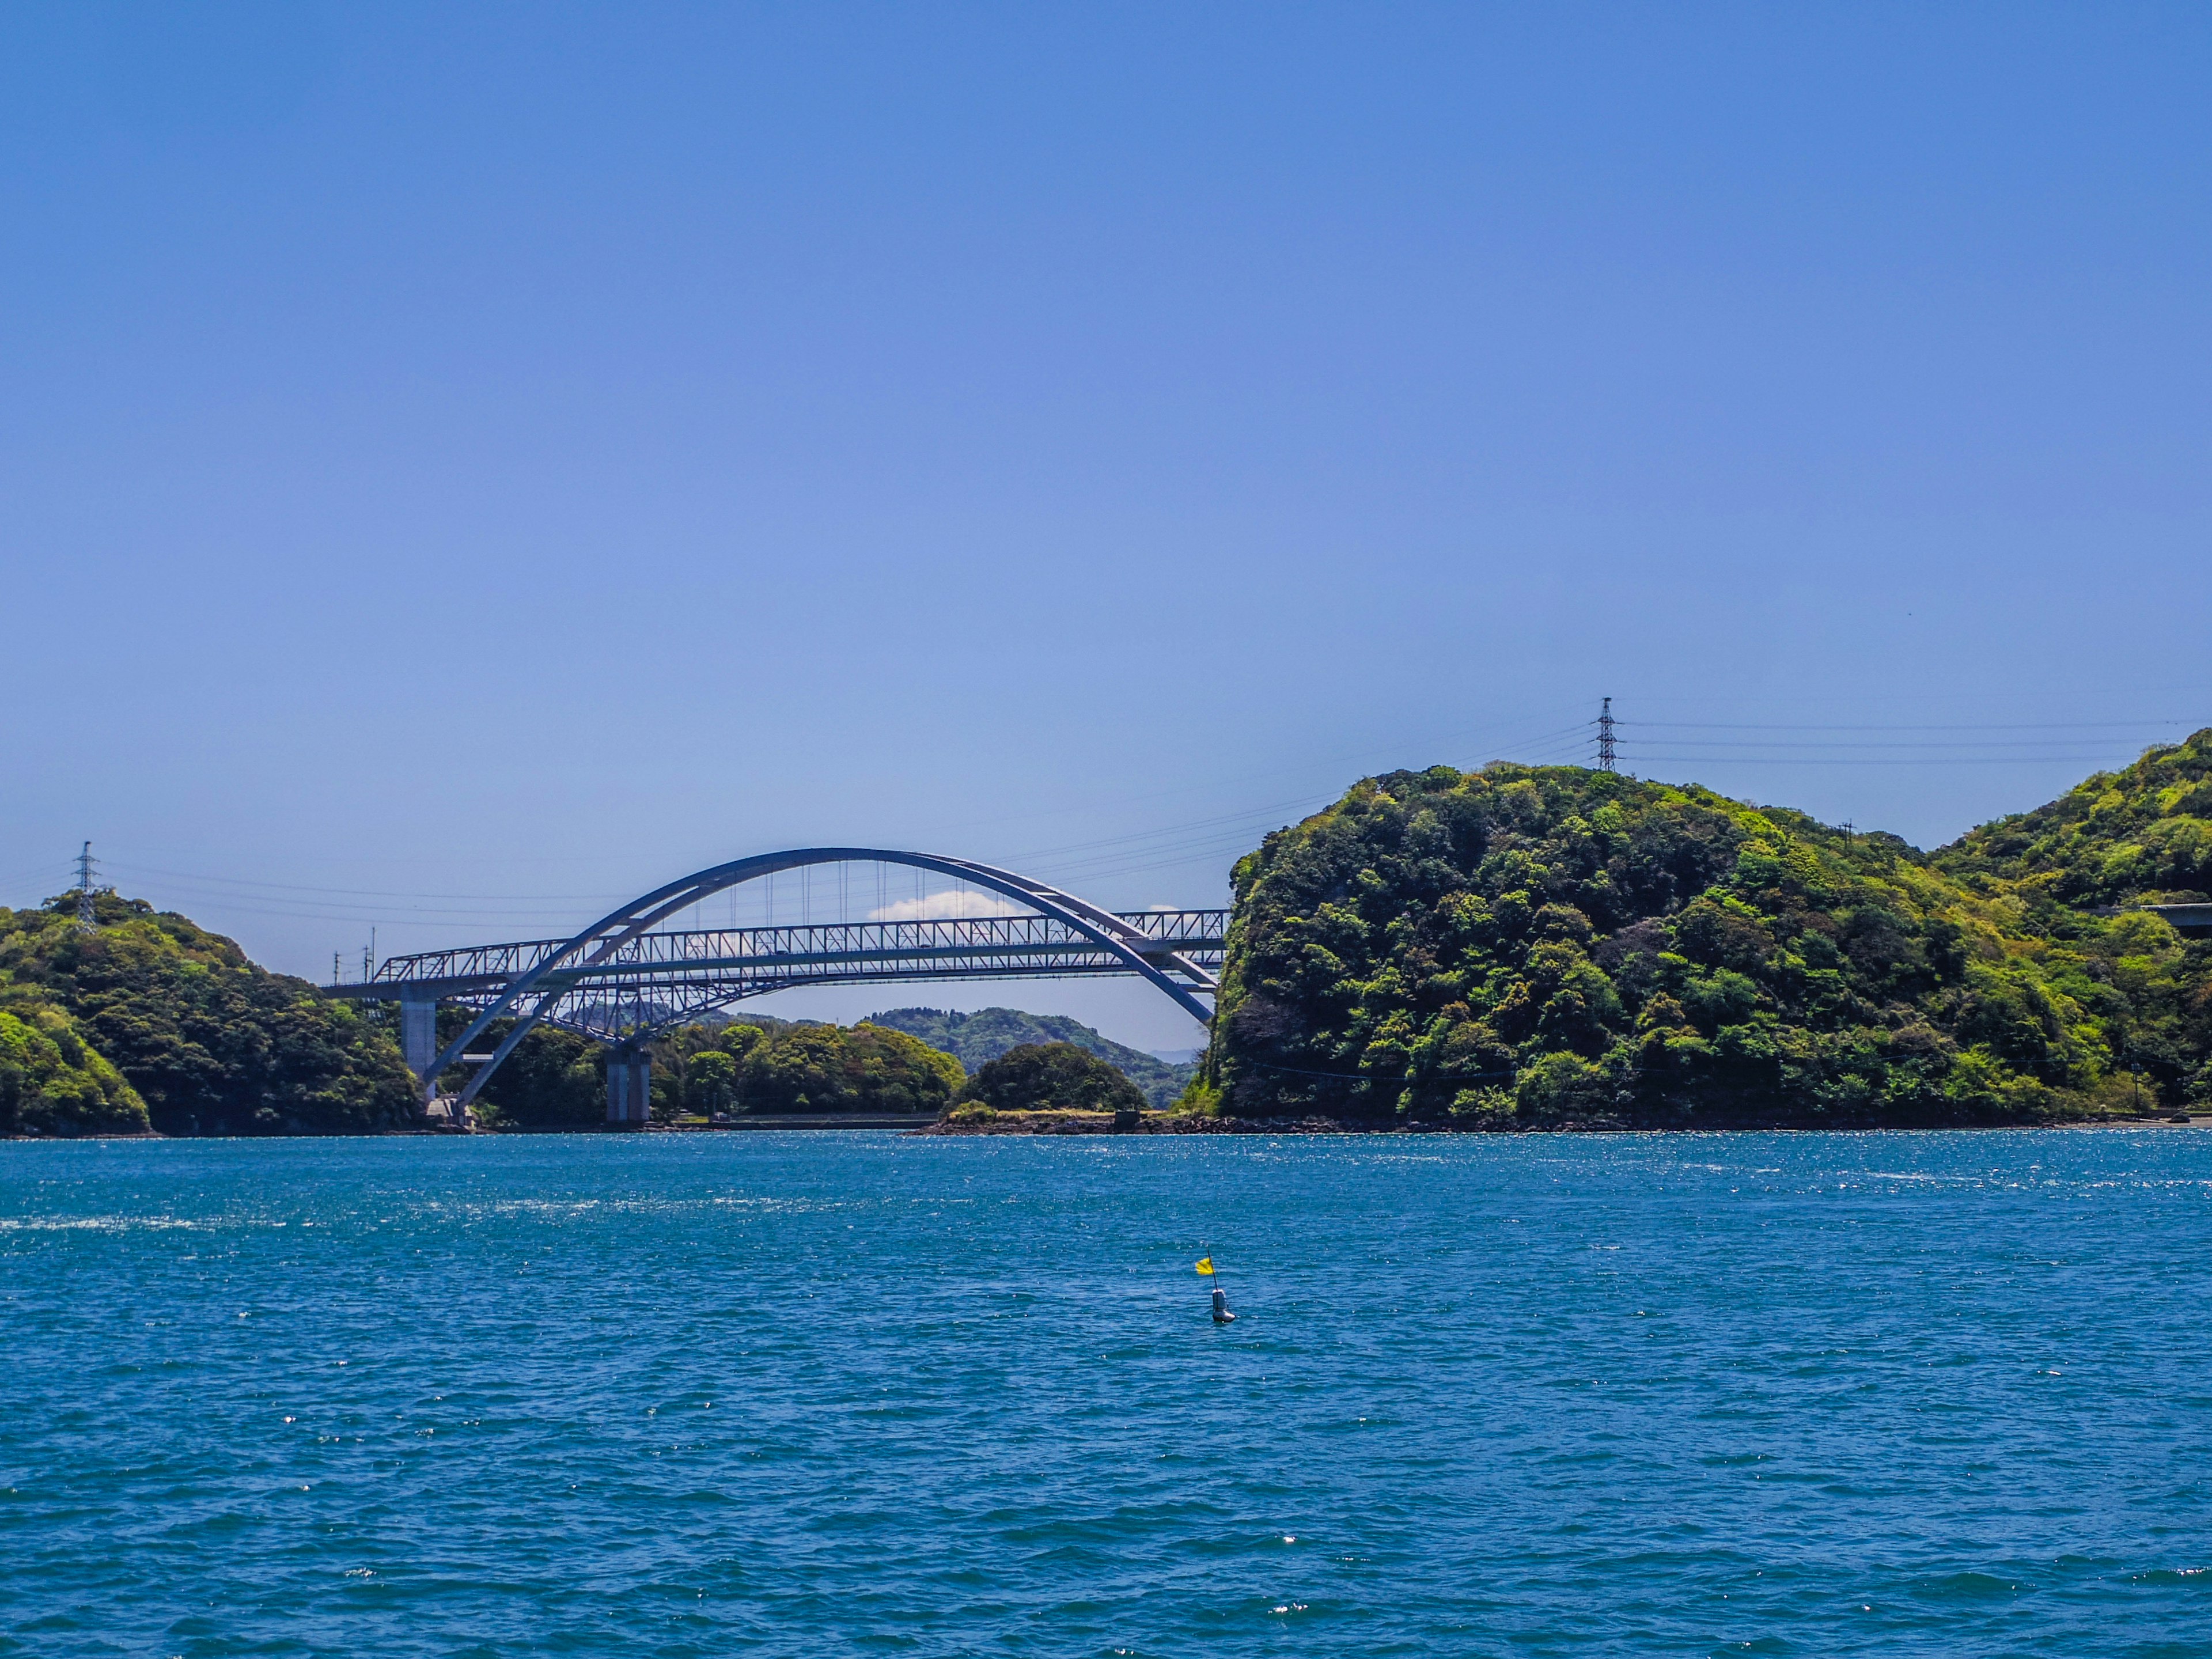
[[948, 906]]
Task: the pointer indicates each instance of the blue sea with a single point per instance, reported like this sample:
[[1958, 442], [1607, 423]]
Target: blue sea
[[855, 1393]]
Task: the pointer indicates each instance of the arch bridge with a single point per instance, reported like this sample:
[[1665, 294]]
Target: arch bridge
[[626, 979]]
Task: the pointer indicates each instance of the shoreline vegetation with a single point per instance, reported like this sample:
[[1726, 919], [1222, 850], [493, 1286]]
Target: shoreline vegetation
[[1517, 949]]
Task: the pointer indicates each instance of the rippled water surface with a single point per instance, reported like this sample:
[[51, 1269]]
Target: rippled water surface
[[838, 1394]]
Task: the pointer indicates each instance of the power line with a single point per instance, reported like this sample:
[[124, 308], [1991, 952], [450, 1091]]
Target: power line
[[1216, 839], [370, 892], [2019, 725], [2071, 745], [1872, 760], [1108, 855], [1887, 744]]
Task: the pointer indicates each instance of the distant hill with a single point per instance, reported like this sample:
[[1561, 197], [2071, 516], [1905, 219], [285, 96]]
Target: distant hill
[[978, 1038], [769, 1023]]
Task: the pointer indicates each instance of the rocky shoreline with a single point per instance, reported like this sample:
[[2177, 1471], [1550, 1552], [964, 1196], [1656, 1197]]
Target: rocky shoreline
[[1147, 1123], [1164, 1123]]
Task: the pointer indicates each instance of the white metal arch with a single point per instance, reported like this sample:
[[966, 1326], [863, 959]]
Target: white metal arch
[[611, 932]]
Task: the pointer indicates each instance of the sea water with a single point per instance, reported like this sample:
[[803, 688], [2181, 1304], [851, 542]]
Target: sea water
[[840, 1393]]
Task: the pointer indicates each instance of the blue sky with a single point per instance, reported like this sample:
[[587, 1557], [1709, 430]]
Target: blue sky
[[462, 465]]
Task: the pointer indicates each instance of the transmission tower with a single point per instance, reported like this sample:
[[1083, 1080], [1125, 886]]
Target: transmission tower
[[1605, 755], [85, 923]]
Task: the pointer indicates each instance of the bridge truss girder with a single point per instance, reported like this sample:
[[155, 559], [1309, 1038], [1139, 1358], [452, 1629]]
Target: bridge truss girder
[[664, 980], [621, 981]]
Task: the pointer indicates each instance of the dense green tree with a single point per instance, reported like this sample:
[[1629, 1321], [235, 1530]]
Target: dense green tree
[[1052, 1077], [677, 1086], [212, 1044], [740, 1040], [1530, 946], [713, 1085], [52, 1082], [675, 1053], [860, 1068]]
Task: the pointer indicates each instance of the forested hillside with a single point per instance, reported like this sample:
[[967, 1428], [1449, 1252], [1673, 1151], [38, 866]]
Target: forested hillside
[[206, 1042], [2143, 834], [982, 1036], [1527, 947], [52, 1082]]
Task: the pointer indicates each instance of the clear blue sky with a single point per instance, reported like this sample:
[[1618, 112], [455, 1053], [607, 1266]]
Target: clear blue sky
[[460, 465]]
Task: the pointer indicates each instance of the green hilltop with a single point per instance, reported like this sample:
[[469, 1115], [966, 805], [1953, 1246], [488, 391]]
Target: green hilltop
[[2142, 834], [1548, 946], [148, 1021]]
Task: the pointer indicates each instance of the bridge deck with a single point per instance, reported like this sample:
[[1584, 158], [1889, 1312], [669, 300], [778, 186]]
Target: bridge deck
[[661, 978]]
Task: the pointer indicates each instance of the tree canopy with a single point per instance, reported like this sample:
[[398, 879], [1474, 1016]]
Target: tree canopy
[[2142, 833], [857, 1068], [557, 1079], [52, 1082], [208, 1040], [1529, 946], [1052, 1077]]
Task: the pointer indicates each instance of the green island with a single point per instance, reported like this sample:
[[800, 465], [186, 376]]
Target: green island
[[1551, 947], [1516, 948]]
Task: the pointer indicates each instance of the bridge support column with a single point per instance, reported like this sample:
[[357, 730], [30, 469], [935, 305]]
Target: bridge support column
[[630, 1087], [418, 1035]]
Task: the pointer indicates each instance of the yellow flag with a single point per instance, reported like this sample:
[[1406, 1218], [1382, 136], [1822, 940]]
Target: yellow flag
[[1205, 1264]]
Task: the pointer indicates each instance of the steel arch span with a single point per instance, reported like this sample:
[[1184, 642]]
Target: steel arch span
[[621, 981]]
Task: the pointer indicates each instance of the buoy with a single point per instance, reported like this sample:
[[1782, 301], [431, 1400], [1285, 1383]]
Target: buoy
[[1221, 1314]]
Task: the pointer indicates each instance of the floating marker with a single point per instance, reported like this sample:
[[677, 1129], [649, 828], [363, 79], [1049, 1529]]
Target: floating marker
[[1221, 1314]]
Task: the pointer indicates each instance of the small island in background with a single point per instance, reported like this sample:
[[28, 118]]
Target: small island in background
[[988, 1033], [1515, 948]]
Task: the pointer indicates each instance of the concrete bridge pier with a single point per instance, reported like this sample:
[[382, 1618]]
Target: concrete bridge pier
[[630, 1087], [418, 1035]]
